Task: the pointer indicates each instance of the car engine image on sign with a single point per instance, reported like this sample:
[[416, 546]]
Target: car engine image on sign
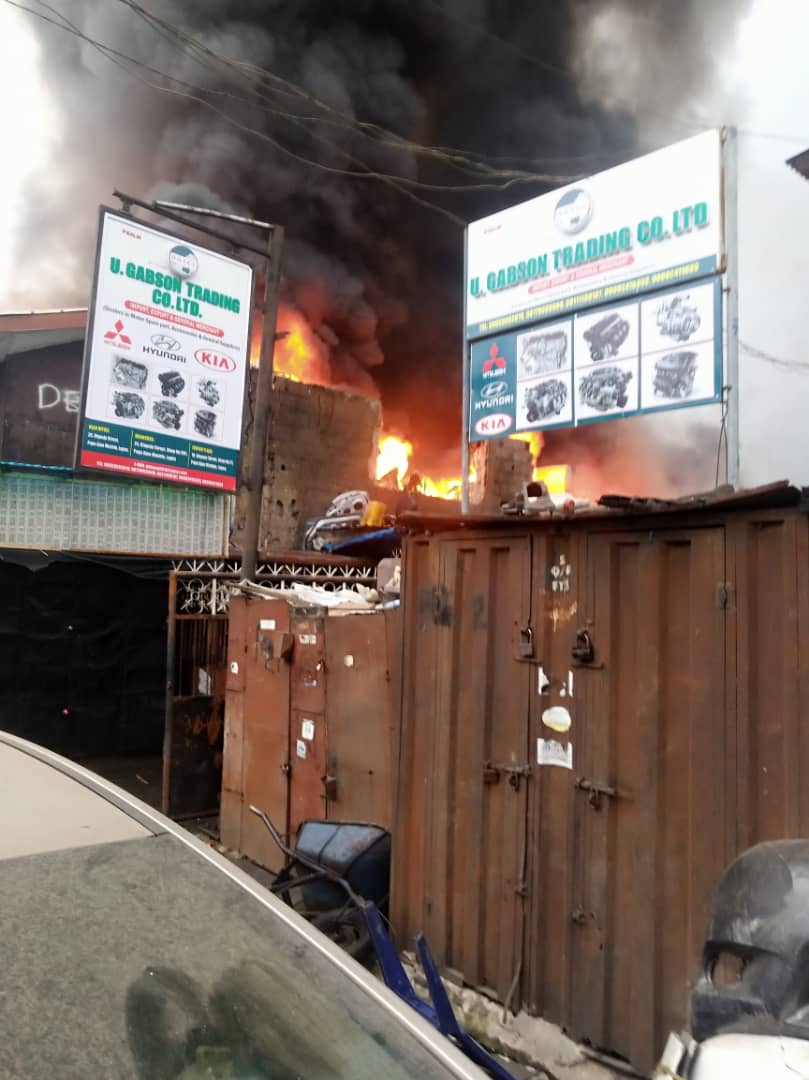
[[209, 392], [205, 423], [542, 353], [167, 414], [674, 374], [677, 318], [128, 406], [606, 336], [129, 373], [171, 383], [546, 399], [605, 389]]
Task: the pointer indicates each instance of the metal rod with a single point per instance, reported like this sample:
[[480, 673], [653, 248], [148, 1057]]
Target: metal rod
[[214, 213], [262, 409], [154, 208], [465, 393], [731, 159]]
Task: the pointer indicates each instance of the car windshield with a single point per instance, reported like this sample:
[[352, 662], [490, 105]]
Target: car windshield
[[140, 959]]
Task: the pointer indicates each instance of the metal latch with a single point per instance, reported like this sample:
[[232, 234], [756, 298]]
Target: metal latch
[[329, 787], [515, 773], [583, 651], [596, 791], [526, 647]]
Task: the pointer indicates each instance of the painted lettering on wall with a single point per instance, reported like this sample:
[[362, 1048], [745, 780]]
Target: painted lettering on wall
[[50, 396]]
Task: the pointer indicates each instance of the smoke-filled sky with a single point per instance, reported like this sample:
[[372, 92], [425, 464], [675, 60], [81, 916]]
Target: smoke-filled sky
[[552, 87]]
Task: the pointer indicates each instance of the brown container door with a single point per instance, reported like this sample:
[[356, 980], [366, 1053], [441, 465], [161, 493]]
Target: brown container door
[[555, 696], [309, 735], [359, 709], [650, 800], [475, 784], [257, 750]]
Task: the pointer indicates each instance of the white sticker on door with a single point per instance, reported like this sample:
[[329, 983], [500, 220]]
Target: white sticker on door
[[551, 752], [308, 729], [301, 748]]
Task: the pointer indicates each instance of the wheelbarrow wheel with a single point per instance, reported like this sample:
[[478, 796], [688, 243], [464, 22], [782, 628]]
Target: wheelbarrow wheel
[[346, 928]]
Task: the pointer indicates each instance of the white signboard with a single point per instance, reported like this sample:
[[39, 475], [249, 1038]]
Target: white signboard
[[166, 358], [654, 222]]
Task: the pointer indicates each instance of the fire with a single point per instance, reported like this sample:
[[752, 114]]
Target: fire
[[299, 354], [554, 477], [394, 456]]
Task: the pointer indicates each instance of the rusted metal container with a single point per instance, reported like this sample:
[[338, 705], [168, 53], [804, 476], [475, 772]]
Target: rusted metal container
[[663, 661], [308, 721]]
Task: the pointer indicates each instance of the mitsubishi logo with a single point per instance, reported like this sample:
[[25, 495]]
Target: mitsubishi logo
[[494, 363], [117, 336]]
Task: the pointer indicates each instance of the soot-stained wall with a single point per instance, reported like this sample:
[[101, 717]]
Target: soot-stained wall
[[83, 658]]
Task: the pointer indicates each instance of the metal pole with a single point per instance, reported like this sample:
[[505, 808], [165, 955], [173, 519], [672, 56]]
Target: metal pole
[[731, 157], [262, 408], [465, 393]]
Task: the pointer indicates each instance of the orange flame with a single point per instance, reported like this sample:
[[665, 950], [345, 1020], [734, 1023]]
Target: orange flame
[[298, 354], [394, 456], [554, 477]]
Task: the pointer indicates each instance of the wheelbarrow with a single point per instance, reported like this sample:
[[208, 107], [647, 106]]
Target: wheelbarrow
[[334, 869]]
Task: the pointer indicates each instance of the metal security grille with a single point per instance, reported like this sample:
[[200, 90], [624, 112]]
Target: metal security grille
[[62, 512], [203, 585]]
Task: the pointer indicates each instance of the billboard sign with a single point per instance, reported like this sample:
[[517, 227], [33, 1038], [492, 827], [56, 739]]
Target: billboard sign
[[657, 351], [166, 358], [654, 222]]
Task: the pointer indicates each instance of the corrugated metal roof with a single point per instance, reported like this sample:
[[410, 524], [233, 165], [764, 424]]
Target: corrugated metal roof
[[778, 494]]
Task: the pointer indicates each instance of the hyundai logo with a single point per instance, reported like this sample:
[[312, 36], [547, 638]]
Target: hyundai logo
[[162, 341], [494, 389]]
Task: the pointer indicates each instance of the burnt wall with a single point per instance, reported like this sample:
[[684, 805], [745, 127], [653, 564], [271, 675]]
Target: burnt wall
[[39, 405], [321, 443], [83, 658]]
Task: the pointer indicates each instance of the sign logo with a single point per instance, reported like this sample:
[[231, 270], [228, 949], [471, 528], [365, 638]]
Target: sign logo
[[183, 261], [117, 336], [494, 389], [215, 360], [162, 341], [573, 211], [493, 364], [494, 424]]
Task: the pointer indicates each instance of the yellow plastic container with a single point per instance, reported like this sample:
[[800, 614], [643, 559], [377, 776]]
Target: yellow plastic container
[[374, 513]]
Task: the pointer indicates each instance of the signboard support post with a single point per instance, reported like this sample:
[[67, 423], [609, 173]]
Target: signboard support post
[[731, 254], [466, 391], [263, 405]]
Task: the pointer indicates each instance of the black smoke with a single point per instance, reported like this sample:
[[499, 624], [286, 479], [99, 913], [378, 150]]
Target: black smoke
[[515, 80]]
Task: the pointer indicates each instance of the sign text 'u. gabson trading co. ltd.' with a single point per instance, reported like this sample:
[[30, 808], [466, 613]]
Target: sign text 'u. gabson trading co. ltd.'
[[599, 300], [166, 358]]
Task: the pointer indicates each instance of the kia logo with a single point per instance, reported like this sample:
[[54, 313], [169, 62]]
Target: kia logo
[[494, 389], [210, 359], [494, 424], [170, 344]]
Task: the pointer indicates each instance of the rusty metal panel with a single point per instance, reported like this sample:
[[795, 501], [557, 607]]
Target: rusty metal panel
[[307, 704], [768, 564], [414, 779], [472, 779], [257, 724], [652, 731], [558, 577], [359, 718]]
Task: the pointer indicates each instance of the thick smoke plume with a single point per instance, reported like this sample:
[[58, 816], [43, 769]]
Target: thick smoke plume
[[572, 87]]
